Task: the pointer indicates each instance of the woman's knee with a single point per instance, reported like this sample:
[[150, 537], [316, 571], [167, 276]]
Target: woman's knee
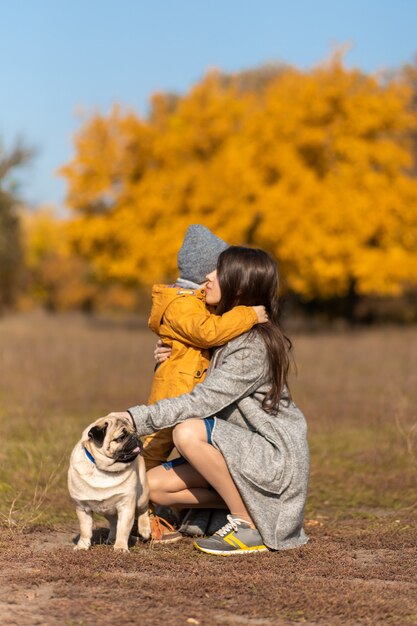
[[187, 434]]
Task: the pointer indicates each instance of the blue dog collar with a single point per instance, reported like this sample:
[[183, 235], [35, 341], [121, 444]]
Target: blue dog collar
[[90, 456]]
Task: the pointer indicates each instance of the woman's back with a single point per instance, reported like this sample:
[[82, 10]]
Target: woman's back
[[267, 454]]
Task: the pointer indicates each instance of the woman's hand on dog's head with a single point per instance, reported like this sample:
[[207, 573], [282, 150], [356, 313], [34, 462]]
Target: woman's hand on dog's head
[[121, 415]]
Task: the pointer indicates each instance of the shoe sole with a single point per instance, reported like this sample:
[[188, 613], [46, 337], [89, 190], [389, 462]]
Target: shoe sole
[[229, 552], [172, 540]]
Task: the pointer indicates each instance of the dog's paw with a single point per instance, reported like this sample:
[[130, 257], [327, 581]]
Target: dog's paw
[[144, 528], [82, 546], [145, 535], [120, 548]]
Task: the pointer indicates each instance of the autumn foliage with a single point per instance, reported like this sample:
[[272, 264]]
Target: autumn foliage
[[315, 166], [57, 278]]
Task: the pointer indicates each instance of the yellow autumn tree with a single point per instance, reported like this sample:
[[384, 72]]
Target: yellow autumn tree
[[315, 166], [339, 206], [57, 279], [130, 218]]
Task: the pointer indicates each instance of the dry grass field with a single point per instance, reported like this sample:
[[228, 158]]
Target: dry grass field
[[358, 390]]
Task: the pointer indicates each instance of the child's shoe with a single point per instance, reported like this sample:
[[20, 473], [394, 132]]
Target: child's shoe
[[236, 537], [195, 522], [162, 531]]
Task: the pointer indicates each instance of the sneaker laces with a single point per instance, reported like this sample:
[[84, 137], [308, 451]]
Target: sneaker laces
[[232, 524], [159, 526]]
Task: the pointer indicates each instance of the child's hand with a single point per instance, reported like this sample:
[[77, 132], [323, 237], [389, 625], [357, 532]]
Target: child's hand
[[261, 313], [161, 352]]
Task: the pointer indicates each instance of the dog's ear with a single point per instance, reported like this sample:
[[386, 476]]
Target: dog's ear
[[97, 434]]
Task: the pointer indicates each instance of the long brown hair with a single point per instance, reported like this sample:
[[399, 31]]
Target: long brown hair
[[249, 276]]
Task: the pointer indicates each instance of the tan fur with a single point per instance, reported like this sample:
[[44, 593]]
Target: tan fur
[[113, 489]]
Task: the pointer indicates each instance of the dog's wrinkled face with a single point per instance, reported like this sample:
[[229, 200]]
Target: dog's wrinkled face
[[113, 438]]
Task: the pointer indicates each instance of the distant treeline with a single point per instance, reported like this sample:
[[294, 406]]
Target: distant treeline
[[319, 167]]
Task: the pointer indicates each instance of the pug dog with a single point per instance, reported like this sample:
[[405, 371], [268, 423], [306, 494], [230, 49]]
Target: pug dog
[[107, 475]]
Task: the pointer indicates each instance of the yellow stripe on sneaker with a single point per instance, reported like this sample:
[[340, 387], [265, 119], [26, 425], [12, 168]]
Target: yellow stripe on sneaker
[[260, 548], [236, 543], [231, 540]]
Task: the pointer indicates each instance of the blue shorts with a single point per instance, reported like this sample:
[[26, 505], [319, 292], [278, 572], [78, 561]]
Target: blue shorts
[[209, 424]]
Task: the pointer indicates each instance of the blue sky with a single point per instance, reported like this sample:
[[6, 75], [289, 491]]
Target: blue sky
[[61, 60]]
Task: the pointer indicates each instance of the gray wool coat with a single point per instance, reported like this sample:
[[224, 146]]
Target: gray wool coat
[[267, 455]]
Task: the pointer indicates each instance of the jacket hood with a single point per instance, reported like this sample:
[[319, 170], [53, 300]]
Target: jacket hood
[[162, 296]]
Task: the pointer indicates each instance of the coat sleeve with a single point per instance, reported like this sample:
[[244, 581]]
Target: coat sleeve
[[202, 329], [242, 371]]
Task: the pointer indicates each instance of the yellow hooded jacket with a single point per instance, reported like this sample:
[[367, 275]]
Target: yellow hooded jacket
[[182, 320]]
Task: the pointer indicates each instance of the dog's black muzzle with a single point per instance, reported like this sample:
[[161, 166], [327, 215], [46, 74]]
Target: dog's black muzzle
[[130, 451]]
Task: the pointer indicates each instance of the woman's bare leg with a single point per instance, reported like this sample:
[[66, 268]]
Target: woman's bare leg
[[190, 439], [182, 487]]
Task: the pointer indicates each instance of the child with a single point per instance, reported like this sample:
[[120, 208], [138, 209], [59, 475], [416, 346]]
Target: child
[[182, 320]]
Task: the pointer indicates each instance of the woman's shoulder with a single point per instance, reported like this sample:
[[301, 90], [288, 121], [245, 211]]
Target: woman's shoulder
[[249, 343]]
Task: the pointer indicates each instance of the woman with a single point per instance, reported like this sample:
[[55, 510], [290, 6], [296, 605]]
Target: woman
[[243, 438]]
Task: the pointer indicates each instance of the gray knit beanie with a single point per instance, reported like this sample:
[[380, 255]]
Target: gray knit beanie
[[199, 253]]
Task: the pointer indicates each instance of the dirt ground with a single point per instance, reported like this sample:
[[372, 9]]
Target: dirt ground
[[350, 573], [358, 390]]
